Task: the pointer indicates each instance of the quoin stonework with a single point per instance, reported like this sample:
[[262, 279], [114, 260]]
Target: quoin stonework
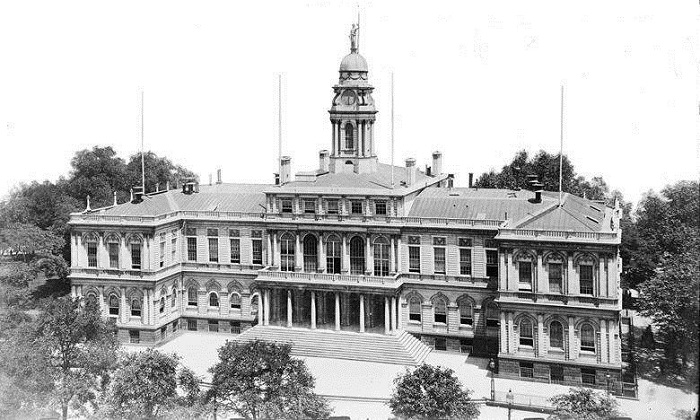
[[525, 277]]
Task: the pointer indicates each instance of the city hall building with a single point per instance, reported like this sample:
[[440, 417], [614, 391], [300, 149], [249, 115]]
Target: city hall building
[[359, 249]]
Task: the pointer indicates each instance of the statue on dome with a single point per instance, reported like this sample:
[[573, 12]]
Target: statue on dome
[[354, 37]]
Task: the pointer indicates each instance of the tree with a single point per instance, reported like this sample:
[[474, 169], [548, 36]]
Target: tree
[[583, 404], [29, 241], [159, 170], [97, 172], [260, 380], [63, 357], [430, 392]]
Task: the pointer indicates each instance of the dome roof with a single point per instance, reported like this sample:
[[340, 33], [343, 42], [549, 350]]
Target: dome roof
[[353, 62]]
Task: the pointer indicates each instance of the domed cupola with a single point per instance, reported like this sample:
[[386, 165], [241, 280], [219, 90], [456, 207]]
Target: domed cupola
[[353, 68]]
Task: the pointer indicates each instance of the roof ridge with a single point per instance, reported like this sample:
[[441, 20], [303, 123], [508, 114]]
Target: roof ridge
[[535, 216]]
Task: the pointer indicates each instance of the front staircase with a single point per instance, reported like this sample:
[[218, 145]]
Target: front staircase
[[400, 349]]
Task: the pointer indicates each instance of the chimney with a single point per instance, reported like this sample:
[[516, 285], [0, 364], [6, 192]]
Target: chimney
[[471, 179], [157, 186], [209, 179], [137, 194], [218, 176], [437, 163], [324, 161], [189, 186], [411, 170], [167, 185], [450, 180], [285, 169], [538, 187], [87, 207]]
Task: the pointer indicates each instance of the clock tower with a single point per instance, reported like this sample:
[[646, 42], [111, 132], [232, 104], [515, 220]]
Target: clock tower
[[352, 115]]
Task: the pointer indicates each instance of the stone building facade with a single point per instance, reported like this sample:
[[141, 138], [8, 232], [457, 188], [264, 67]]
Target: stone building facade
[[530, 278]]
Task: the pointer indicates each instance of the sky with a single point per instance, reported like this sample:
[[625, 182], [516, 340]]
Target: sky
[[476, 80]]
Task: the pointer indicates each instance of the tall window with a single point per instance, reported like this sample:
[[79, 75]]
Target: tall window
[[286, 206], [136, 255], [492, 263], [586, 279], [213, 244], [213, 299], [287, 252], [466, 311], [357, 255], [135, 307], [113, 304], [555, 277], [439, 255], [381, 256], [192, 296], [526, 333], [256, 239], [310, 206], [332, 206], [440, 311], [173, 248], [356, 207], [556, 335], [235, 243], [587, 338], [465, 256], [113, 251], [380, 208], [92, 253], [414, 309], [235, 301], [191, 244], [161, 249], [525, 275], [349, 141], [310, 253], [161, 309], [333, 254], [492, 315], [414, 254], [173, 297]]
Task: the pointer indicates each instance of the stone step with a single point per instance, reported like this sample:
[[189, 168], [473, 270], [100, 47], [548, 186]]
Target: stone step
[[401, 349]]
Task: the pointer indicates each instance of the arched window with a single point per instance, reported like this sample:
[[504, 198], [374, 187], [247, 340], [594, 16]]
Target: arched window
[[192, 296], [525, 272], [381, 256], [213, 299], [287, 252], [161, 309], [526, 333], [333, 254], [173, 297], [113, 305], [440, 311], [349, 134], [235, 301], [357, 255], [587, 338], [91, 246], [135, 251], [556, 335], [414, 313], [135, 307], [555, 273], [310, 253], [585, 271], [492, 315], [91, 299], [466, 312]]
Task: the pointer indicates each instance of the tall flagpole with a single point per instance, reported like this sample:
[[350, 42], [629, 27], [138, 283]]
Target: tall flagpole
[[392, 129], [358, 27], [561, 144], [143, 164], [279, 126]]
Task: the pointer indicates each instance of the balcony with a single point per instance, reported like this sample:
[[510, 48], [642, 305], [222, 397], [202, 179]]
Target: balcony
[[559, 299], [381, 282]]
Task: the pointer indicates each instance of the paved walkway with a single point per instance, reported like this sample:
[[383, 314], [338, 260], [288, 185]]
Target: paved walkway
[[371, 383]]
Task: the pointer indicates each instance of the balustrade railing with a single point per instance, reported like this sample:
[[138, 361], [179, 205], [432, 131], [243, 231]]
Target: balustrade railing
[[326, 277], [558, 235]]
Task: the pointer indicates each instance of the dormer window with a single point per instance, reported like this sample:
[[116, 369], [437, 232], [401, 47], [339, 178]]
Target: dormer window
[[356, 207], [309, 206], [286, 206], [332, 207], [380, 208]]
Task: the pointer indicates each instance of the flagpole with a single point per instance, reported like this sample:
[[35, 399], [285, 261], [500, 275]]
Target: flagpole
[[143, 164], [561, 144], [392, 129], [279, 126]]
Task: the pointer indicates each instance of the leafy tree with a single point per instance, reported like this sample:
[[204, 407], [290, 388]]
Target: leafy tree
[[583, 404], [159, 170], [260, 380], [28, 241], [97, 172], [63, 357], [430, 392]]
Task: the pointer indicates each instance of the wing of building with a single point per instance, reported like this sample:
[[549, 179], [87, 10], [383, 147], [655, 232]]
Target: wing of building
[[524, 277]]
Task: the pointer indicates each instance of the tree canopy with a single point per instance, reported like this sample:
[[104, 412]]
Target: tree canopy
[[430, 392], [260, 380], [583, 404]]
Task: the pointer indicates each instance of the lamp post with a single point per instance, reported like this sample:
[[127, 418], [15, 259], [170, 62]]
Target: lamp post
[[509, 398], [492, 367]]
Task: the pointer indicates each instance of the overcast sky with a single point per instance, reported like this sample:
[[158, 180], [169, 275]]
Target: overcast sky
[[476, 80]]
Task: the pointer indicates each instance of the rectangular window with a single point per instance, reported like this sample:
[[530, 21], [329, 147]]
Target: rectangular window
[[113, 254], [356, 207], [235, 327], [491, 264], [174, 325], [213, 325], [556, 373], [526, 370], [525, 274], [134, 336], [257, 251], [191, 249], [161, 262], [192, 325], [286, 206], [588, 376], [332, 206], [439, 260], [414, 259], [309, 206], [235, 250], [92, 254], [173, 248], [465, 261], [380, 208], [136, 256], [213, 250], [440, 343], [586, 278], [466, 345], [555, 277]]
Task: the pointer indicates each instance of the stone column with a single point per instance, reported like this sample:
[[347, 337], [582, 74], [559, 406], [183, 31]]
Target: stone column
[[399, 318], [362, 312], [603, 351], [398, 254], [144, 308], [393, 313], [151, 307], [602, 286], [313, 310], [572, 283], [571, 354], [512, 272], [298, 253], [392, 256], [334, 139], [269, 251], [101, 299], [346, 256], [387, 316], [101, 263], [512, 345], [74, 239], [542, 281], [267, 307], [540, 335], [289, 308], [337, 311], [261, 308], [504, 334], [369, 257], [275, 250], [321, 255], [503, 271], [122, 307]]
